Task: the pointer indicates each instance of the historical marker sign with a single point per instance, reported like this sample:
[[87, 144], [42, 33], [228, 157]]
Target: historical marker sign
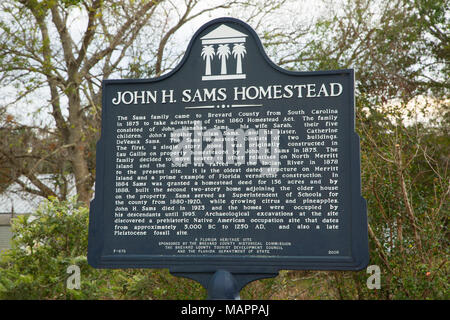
[[229, 162]]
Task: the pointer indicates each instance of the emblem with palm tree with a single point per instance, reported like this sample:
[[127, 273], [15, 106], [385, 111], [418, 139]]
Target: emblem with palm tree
[[223, 52], [238, 52], [207, 54]]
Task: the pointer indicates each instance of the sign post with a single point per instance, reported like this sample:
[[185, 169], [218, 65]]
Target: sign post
[[229, 168]]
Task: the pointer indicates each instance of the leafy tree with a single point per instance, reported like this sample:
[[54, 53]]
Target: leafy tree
[[53, 65], [208, 54], [400, 52], [45, 244], [223, 51], [53, 238], [238, 52]]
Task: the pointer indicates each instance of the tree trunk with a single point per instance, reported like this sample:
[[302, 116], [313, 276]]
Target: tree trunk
[[82, 175], [239, 65], [208, 67], [77, 152], [224, 66]]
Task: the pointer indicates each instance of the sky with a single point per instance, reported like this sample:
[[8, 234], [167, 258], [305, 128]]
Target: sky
[[301, 11], [294, 12]]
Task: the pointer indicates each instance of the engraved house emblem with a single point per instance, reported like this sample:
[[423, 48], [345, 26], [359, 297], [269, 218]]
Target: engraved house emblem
[[220, 45]]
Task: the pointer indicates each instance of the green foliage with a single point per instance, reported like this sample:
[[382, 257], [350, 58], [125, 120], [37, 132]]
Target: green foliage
[[399, 54], [47, 242], [406, 184], [399, 50], [160, 284], [43, 246]]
